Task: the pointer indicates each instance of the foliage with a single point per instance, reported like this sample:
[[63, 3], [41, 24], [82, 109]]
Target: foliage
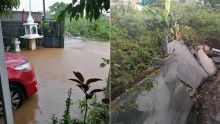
[[44, 26], [134, 44], [8, 5], [84, 86], [163, 20], [93, 9], [98, 112], [212, 2], [94, 30], [66, 117], [202, 22], [105, 62], [11, 46], [56, 8]]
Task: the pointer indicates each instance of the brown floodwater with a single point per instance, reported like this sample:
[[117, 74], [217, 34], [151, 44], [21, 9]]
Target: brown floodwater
[[53, 68]]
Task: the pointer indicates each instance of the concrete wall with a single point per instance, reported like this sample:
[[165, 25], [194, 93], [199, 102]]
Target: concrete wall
[[167, 103]]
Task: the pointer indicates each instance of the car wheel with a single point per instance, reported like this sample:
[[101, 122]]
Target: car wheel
[[17, 98]]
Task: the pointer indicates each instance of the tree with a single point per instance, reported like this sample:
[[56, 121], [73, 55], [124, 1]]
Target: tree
[[8, 5], [163, 20], [92, 9], [56, 8], [5, 5], [212, 2]]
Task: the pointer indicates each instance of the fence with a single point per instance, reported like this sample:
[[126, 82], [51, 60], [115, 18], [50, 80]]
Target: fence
[[52, 39]]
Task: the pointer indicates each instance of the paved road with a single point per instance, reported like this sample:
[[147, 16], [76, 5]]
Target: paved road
[[53, 68]]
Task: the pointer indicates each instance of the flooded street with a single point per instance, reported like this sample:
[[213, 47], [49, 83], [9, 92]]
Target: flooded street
[[53, 68]]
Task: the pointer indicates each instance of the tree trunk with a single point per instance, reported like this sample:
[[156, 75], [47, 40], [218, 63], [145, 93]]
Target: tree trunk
[[165, 41]]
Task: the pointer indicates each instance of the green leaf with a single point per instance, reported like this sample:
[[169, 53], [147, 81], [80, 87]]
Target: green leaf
[[79, 76], [154, 14], [74, 1], [61, 16], [77, 16], [69, 8], [89, 81], [102, 65], [167, 10]]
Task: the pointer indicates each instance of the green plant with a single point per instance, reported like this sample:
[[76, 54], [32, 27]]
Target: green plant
[[98, 30], [131, 55], [93, 9], [104, 62], [8, 5], [162, 18], [54, 119], [66, 117], [99, 114], [196, 21], [85, 86], [44, 26], [56, 8]]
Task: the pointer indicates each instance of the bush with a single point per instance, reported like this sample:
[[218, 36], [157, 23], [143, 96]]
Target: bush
[[84, 28], [136, 38], [133, 47], [204, 20]]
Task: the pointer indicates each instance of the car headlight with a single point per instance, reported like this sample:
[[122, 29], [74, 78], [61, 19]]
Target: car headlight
[[23, 67]]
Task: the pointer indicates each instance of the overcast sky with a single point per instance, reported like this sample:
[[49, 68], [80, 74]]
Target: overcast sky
[[37, 5]]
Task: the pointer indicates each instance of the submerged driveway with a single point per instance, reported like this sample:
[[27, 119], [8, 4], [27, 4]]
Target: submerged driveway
[[53, 67]]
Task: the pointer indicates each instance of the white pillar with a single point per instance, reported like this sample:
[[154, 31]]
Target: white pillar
[[32, 44]]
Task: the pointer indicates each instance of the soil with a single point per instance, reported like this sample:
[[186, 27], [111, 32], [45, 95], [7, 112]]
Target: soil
[[206, 109]]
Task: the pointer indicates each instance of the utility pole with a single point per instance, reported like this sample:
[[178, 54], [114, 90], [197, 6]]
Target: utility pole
[[4, 84], [44, 17]]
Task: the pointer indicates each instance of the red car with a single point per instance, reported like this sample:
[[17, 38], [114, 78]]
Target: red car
[[22, 80]]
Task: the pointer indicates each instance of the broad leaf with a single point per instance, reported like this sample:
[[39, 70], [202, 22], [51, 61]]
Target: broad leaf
[[77, 16], [154, 14], [105, 101], [61, 16], [81, 87], [92, 80], [95, 91], [77, 81], [85, 87], [69, 8], [166, 10], [79, 76]]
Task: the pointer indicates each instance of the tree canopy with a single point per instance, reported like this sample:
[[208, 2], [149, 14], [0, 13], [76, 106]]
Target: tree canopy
[[92, 9], [8, 5], [56, 8], [212, 2]]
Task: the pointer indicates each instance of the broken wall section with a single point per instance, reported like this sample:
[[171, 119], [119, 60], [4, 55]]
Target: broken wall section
[[169, 101]]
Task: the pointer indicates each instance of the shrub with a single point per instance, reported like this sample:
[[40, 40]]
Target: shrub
[[134, 44], [84, 28]]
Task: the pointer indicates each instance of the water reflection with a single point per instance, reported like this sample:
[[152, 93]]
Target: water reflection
[[26, 113]]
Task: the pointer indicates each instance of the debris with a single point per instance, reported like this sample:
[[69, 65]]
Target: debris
[[206, 62], [205, 48], [189, 69]]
